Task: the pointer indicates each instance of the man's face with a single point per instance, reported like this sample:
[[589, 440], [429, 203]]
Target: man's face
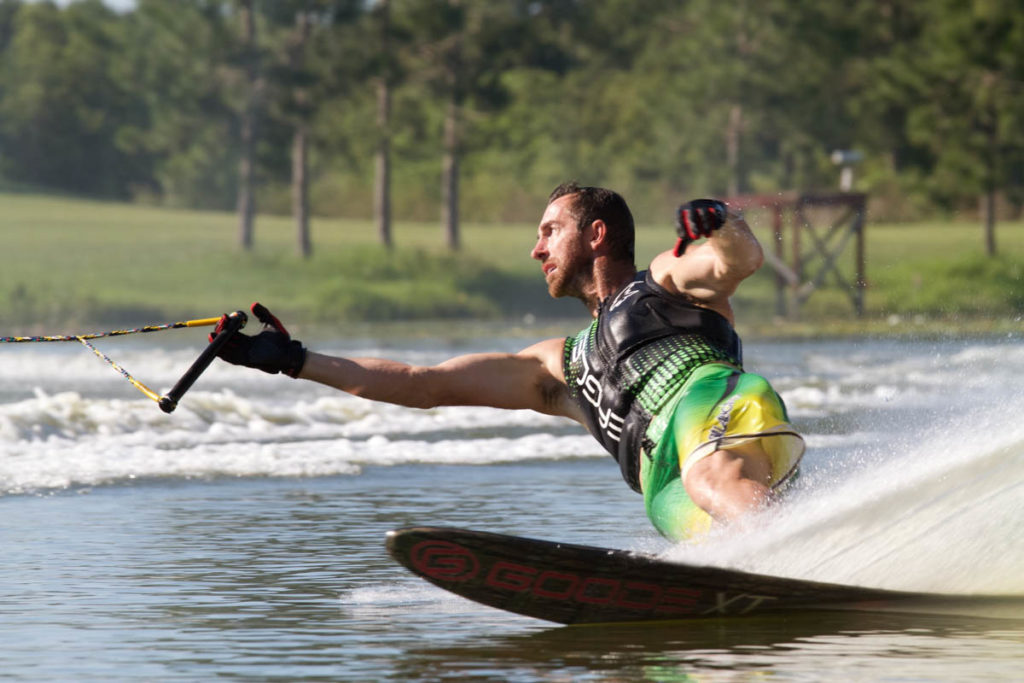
[[562, 249]]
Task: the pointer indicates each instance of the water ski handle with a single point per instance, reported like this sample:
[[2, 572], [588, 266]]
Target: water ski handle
[[234, 323]]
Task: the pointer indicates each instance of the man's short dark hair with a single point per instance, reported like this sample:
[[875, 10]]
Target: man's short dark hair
[[597, 203]]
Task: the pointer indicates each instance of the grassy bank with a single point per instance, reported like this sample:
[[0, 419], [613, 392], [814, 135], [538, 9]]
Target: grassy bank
[[73, 262], [69, 263]]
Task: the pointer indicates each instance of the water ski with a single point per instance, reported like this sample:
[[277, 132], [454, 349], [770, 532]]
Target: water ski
[[577, 584]]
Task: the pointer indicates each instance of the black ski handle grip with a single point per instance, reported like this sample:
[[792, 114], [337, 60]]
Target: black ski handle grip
[[234, 323]]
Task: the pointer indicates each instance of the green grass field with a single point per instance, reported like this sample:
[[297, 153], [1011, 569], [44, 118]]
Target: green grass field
[[72, 262]]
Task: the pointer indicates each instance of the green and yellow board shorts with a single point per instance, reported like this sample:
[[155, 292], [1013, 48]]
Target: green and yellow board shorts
[[719, 407]]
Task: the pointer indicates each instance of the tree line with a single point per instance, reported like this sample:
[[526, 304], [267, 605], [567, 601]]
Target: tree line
[[422, 109]]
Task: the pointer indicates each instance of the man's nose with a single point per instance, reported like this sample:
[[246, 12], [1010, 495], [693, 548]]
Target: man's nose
[[538, 250]]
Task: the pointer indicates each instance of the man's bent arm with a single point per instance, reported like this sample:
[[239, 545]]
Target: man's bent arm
[[531, 379], [712, 270]]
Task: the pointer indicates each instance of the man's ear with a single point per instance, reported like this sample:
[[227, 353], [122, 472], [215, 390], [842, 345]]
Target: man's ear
[[598, 235]]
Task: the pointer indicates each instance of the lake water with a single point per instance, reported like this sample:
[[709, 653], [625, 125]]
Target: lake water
[[243, 536]]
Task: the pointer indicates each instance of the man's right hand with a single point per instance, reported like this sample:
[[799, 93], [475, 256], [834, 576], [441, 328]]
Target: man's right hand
[[272, 350]]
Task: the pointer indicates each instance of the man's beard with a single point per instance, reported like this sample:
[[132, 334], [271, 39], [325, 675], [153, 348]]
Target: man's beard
[[569, 280]]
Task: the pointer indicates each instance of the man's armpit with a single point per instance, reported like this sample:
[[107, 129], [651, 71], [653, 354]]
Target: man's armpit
[[553, 395]]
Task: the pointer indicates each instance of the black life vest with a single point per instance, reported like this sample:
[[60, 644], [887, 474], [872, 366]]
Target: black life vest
[[634, 357]]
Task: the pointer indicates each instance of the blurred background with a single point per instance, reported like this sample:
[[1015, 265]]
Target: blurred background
[[359, 160], [373, 172]]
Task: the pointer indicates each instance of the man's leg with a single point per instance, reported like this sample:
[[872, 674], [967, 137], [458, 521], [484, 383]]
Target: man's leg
[[729, 484], [684, 490]]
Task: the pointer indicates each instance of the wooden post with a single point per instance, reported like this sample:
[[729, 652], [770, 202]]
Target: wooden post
[[780, 282], [862, 278], [793, 285]]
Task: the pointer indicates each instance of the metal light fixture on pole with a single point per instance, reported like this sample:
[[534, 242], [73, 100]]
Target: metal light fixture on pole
[[846, 159]]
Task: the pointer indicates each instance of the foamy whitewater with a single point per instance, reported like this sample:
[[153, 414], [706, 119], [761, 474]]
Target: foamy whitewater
[[914, 477]]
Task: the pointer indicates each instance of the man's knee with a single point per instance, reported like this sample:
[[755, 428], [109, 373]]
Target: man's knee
[[746, 461], [728, 483]]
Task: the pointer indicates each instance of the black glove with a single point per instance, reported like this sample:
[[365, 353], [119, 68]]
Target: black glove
[[696, 219], [273, 350]]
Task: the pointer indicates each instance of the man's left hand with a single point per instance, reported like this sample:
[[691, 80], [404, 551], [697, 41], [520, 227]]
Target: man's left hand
[[696, 219]]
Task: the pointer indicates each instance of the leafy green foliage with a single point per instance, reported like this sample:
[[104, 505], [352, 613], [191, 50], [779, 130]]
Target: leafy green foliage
[[970, 70], [662, 100], [63, 103]]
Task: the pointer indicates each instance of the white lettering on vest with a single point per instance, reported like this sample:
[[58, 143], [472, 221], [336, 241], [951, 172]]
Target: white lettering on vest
[[630, 290], [592, 390]]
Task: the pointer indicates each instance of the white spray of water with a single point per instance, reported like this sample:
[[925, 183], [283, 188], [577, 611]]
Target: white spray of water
[[55, 441], [941, 511]]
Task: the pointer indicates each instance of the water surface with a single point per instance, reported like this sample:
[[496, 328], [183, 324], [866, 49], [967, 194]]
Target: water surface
[[243, 535]]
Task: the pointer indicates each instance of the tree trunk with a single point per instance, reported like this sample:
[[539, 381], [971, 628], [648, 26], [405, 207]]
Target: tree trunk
[[300, 141], [382, 160], [300, 189], [732, 150], [450, 176], [988, 216], [989, 199], [382, 179], [246, 165]]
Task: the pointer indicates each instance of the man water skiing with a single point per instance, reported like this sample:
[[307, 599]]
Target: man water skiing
[[657, 377]]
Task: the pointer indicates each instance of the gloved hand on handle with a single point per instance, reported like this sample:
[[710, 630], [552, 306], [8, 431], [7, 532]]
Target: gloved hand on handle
[[273, 350]]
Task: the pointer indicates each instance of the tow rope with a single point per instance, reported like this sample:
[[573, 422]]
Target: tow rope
[[168, 402]]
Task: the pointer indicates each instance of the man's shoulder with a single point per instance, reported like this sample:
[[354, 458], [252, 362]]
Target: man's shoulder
[[664, 271], [549, 352]]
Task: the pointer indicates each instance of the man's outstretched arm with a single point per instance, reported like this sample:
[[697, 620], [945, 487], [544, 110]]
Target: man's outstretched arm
[[530, 379]]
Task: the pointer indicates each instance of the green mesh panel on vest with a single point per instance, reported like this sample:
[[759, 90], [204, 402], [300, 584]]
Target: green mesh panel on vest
[[655, 372], [659, 369]]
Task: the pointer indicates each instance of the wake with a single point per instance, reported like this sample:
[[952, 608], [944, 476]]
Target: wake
[[941, 513]]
